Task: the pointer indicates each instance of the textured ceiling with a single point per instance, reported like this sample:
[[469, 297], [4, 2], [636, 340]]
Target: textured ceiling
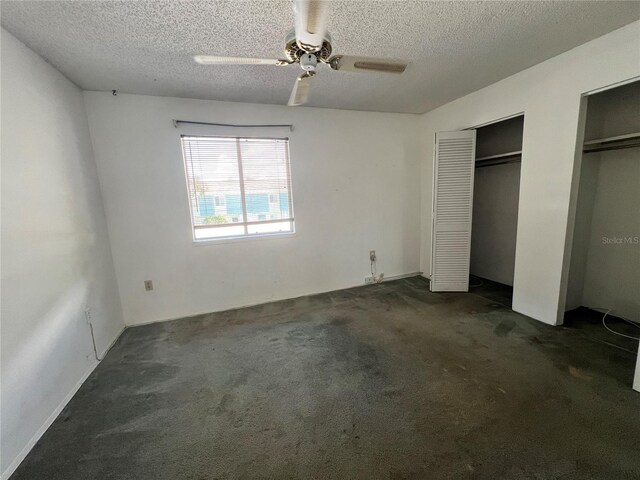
[[454, 47]]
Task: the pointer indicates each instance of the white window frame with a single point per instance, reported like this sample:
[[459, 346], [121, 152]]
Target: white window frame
[[246, 224]]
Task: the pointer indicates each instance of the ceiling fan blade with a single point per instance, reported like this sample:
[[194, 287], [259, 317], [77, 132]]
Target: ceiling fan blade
[[311, 23], [214, 60], [346, 63], [300, 93]]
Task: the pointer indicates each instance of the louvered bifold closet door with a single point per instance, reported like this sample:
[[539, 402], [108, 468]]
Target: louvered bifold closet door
[[452, 208]]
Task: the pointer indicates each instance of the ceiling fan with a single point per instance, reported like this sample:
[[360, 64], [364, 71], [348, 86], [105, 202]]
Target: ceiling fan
[[309, 45]]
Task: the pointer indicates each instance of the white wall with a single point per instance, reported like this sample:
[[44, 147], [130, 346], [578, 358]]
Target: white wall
[[56, 259], [613, 112], [495, 203], [587, 188], [550, 96], [356, 187], [495, 217], [612, 271], [606, 254], [606, 274]]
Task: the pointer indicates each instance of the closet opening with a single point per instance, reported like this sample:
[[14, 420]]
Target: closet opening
[[495, 208], [603, 284]]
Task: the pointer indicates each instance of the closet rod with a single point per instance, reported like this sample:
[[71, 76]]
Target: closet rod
[[611, 147], [501, 162], [178, 122], [500, 155]]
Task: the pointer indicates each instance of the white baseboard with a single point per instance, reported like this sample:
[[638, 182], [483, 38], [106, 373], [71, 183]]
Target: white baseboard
[[404, 275], [189, 315], [45, 426]]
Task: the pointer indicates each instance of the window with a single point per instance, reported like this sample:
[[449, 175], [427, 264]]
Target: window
[[238, 187]]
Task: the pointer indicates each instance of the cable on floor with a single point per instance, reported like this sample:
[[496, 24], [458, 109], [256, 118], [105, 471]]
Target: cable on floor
[[374, 271], [479, 284], [604, 323], [93, 340]]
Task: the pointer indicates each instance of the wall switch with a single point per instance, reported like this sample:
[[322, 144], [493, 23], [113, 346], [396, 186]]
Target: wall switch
[[369, 280], [148, 285], [372, 255]]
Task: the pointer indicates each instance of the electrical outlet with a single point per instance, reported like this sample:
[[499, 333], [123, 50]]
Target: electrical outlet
[[369, 280], [87, 315], [148, 285], [372, 255]]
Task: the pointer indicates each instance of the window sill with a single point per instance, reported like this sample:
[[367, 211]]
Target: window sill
[[243, 238]]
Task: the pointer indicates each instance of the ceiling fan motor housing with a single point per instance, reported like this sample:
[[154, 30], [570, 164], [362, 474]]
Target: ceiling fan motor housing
[[294, 53]]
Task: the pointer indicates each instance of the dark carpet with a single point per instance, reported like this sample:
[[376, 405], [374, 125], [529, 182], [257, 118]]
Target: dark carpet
[[379, 382]]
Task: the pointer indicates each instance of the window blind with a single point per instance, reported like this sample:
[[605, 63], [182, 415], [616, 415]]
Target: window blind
[[238, 186]]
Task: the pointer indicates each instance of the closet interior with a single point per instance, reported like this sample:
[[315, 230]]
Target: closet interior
[[495, 208], [604, 276]]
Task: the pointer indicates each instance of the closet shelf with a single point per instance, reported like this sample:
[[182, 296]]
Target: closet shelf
[[617, 138], [500, 155], [617, 142]]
